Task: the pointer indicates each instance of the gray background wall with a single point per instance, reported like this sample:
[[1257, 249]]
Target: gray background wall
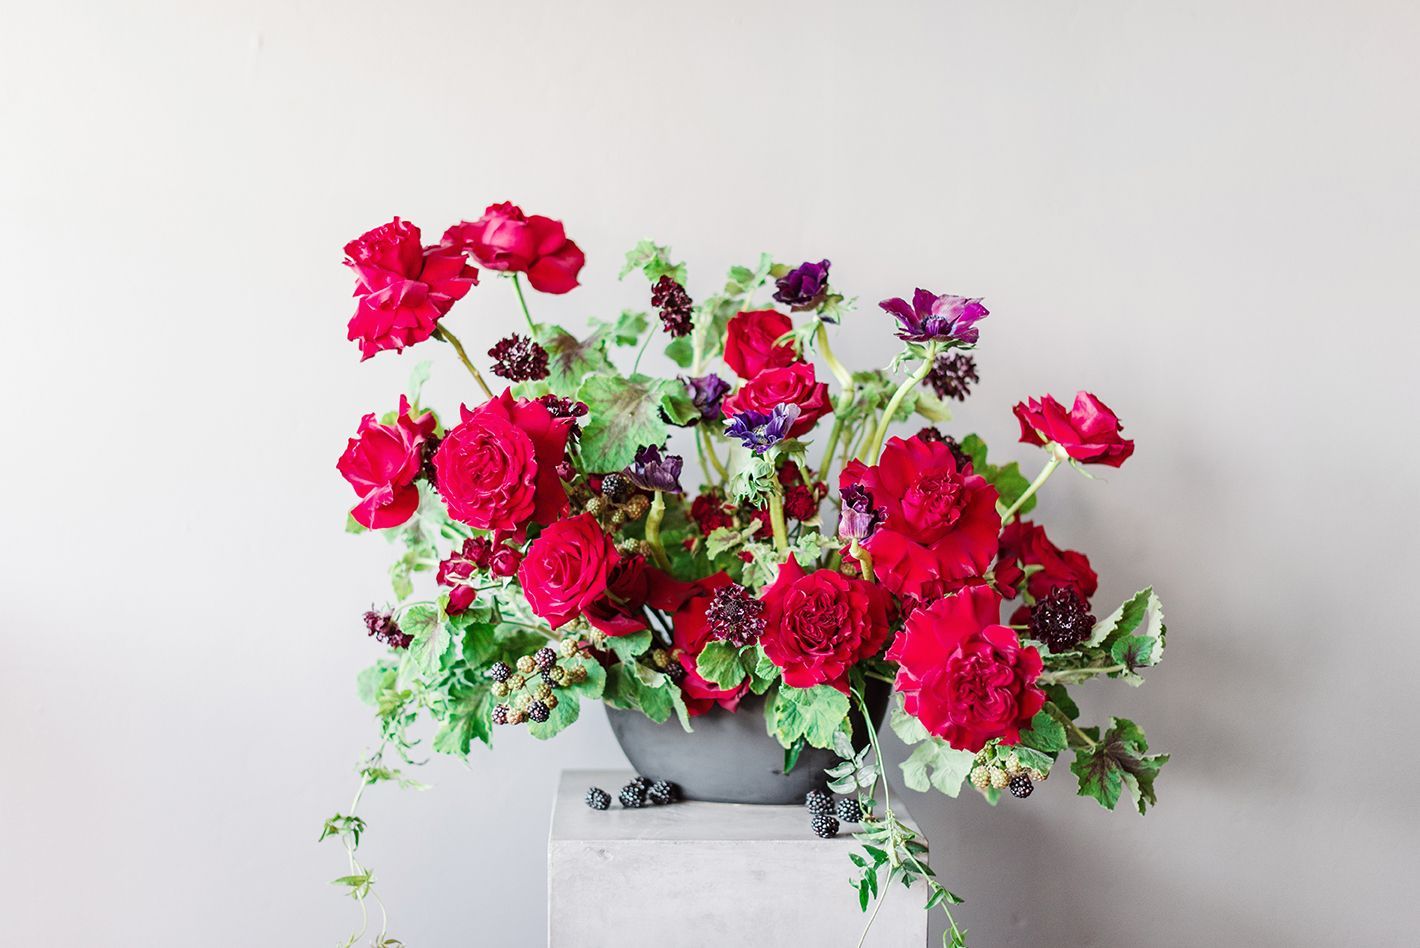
[[1206, 213]]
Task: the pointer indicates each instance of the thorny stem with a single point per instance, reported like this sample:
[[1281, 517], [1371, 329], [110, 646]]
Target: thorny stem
[[443, 333], [928, 360], [522, 301]]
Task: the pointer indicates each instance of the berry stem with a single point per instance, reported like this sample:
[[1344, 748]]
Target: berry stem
[[1035, 485], [443, 333], [522, 301], [928, 360]]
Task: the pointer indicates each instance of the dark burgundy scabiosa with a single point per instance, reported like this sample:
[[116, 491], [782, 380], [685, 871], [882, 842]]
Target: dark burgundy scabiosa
[[707, 392], [426, 469], [803, 286], [932, 318], [670, 298], [931, 435], [653, 470], [759, 431], [559, 407], [385, 629], [858, 516], [952, 376], [735, 615], [1061, 620], [519, 359]]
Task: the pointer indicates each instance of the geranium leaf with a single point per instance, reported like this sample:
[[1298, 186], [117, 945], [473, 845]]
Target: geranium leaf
[[1118, 761], [809, 713], [719, 664], [570, 360], [625, 414]]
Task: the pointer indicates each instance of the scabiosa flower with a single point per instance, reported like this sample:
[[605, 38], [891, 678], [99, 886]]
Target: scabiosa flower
[[932, 318], [1061, 620], [670, 298], [931, 435], [707, 392], [519, 359], [952, 376], [735, 615], [858, 517], [804, 285], [653, 470], [385, 629], [760, 431]]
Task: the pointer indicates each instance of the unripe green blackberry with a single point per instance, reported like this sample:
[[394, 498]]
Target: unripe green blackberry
[[594, 506], [526, 665], [559, 675], [550, 701], [1036, 776], [1013, 764], [576, 674], [567, 648], [660, 658], [543, 691], [499, 689], [522, 701], [516, 683], [516, 716], [999, 778], [980, 778]]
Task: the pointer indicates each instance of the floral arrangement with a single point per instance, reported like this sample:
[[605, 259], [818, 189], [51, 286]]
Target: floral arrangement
[[573, 562]]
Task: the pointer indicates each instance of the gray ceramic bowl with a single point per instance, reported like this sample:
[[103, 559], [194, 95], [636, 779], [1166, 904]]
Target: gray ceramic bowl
[[730, 758]]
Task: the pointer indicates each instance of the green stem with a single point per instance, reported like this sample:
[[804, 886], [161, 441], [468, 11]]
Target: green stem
[[913, 380], [653, 530], [443, 333], [1035, 485], [864, 558], [710, 450], [1069, 675], [882, 895], [776, 520], [834, 434], [870, 429], [845, 378], [1064, 718], [522, 301], [642, 351]]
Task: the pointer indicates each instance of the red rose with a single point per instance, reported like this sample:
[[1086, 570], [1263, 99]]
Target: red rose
[[1089, 432], [566, 569], [749, 342], [631, 586], [790, 385], [498, 469], [381, 462], [402, 286], [819, 624], [692, 631], [1025, 543], [505, 238], [941, 522], [963, 675]]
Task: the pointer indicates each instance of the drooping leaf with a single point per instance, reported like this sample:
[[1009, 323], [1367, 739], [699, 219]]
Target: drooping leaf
[[1119, 761], [629, 647]]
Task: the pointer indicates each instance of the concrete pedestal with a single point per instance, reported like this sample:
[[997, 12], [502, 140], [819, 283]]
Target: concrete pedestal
[[696, 875]]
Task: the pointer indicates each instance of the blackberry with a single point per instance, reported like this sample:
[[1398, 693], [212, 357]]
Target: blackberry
[[643, 782], [1061, 620], [663, 792], [824, 825], [818, 802], [633, 796], [547, 677], [1021, 786], [676, 673], [598, 799], [526, 664], [544, 658], [500, 714], [538, 712], [617, 488], [850, 811], [500, 671]]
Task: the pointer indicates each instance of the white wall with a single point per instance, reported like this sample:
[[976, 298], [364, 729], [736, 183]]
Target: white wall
[[1205, 212]]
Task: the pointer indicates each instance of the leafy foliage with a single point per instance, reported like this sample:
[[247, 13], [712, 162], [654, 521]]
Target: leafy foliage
[[627, 413], [1118, 761], [1008, 480], [813, 714], [933, 763]]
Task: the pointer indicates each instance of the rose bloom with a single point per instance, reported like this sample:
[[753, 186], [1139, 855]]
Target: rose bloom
[[632, 584], [819, 624], [506, 239], [1089, 431], [381, 463], [498, 469], [940, 524], [965, 676], [749, 342], [566, 569], [789, 385], [402, 287], [692, 631]]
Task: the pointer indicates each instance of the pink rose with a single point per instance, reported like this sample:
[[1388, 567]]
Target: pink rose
[[1089, 432], [381, 463], [505, 238]]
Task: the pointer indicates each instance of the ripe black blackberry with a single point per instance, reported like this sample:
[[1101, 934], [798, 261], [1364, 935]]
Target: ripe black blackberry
[[824, 825], [1061, 620], [500, 713], [850, 811], [663, 792], [818, 802], [643, 782], [500, 671], [544, 658], [617, 488], [1021, 786], [548, 678], [538, 712], [633, 796], [675, 672], [598, 799]]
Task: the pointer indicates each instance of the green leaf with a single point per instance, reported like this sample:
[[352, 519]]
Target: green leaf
[[353, 526], [1008, 480], [936, 764], [371, 681], [654, 261], [681, 351], [638, 688], [417, 377], [471, 722], [809, 713], [625, 415], [570, 360], [559, 719], [1119, 761], [719, 664], [629, 647], [762, 671], [431, 637], [1045, 734], [625, 329], [908, 729], [1133, 634]]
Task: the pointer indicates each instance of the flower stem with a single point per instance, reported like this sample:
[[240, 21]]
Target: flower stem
[[845, 378], [1074, 676], [834, 434], [642, 351], [864, 558], [776, 520], [709, 446], [1040, 479], [876, 445], [443, 333], [653, 530], [522, 301]]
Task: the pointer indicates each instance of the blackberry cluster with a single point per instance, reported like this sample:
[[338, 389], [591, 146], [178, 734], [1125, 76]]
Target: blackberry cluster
[[663, 792], [824, 825], [1061, 620], [598, 799], [519, 359], [385, 629], [670, 298], [952, 376], [735, 615], [633, 795], [617, 488]]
